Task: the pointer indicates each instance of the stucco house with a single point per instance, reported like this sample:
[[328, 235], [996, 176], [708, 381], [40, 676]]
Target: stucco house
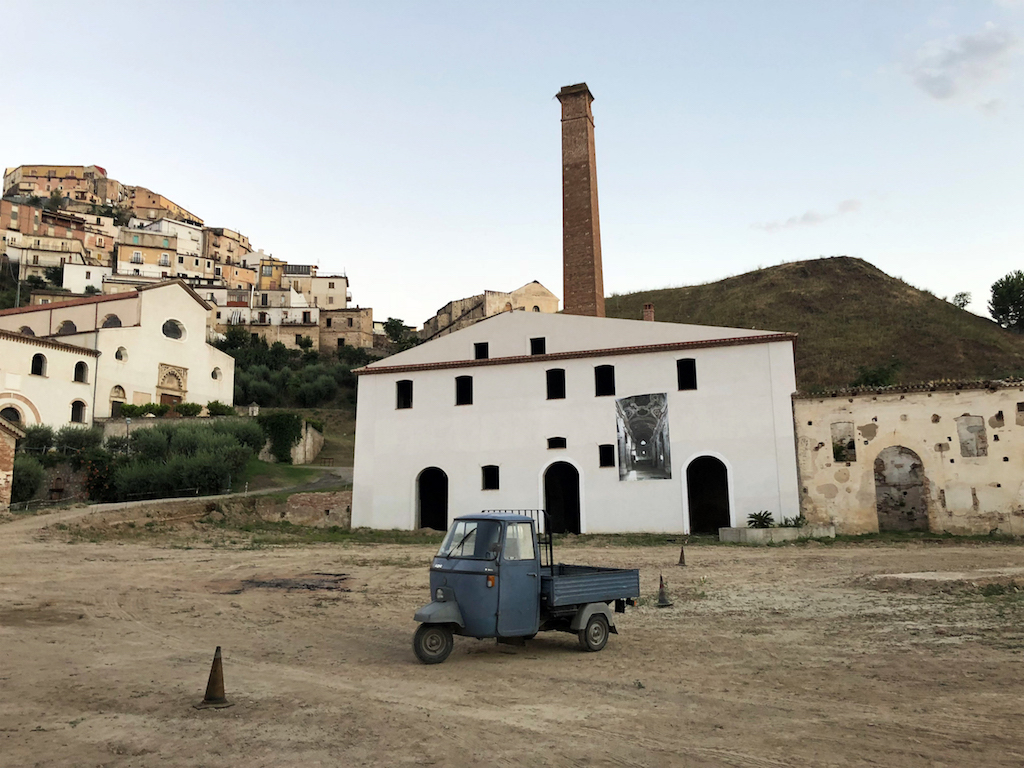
[[611, 425], [74, 361]]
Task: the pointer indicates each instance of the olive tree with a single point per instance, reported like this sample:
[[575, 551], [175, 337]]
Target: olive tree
[[1007, 303]]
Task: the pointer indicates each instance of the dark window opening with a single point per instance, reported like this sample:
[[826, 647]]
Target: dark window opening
[[556, 442], [463, 390], [78, 412], [686, 373], [604, 380], [490, 477], [81, 372], [328, 322], [341, 342], [404, 392], [538, 346], [481, 350], [562, 497], [606, 455], [38, 365], [298, 339], [556, 384]]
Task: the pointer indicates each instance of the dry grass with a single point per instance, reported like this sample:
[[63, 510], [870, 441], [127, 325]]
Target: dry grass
[[848, 315]]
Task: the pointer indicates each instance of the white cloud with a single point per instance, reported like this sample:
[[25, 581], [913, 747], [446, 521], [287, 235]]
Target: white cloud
[[809, 218], [963, 64]]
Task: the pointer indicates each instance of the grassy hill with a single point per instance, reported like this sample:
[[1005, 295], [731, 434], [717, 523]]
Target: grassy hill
[[850, 316]]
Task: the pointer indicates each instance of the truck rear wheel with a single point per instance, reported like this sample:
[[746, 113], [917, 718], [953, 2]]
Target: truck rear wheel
[[594, 636], [432, 643]]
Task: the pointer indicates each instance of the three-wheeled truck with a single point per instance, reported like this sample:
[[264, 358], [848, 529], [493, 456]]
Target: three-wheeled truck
[[495, 576]]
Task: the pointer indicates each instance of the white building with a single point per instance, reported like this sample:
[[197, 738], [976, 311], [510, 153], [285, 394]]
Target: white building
[[151, 347], [78, 277], [611, 425]]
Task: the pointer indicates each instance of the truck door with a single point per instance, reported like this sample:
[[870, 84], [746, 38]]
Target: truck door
[[518, 583]]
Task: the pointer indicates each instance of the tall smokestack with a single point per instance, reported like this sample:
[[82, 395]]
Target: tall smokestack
[[582, 279]]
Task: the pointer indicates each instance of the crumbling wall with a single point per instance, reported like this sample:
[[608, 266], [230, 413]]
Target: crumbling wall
[[970, 459], [7, 443]]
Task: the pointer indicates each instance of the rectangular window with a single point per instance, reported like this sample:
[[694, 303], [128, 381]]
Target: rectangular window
[[306, 317], [480, 350], [135, 239], [267, 271], [686, 373], [167, 243], [556, 384], [403, 391], [330, 299], [350, 322], [604, 380], [298, 338], [341, 342], [136, 257], [328, 323], [538, 346], [844, 446], [463, 390], [556, 442], [606, 455], [216, 271], [490, 477], [330, 285], [518, 542], [181, 259], [88, 275]]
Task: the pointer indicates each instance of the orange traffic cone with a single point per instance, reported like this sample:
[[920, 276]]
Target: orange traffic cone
[[214, 698], [663, 601]]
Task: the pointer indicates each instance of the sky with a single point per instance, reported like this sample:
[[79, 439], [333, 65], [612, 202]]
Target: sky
[[417, 146]]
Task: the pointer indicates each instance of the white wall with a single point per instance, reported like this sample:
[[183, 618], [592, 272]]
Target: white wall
[[740, 413], [44, 399], [78, 276]]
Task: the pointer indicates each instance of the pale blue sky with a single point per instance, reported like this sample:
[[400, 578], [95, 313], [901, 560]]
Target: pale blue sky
[[417, 145]]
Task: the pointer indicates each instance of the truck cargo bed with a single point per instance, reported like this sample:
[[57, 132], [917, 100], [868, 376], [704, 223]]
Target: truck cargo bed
[[578, 584]]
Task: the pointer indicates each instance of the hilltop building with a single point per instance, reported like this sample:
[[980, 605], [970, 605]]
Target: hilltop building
[[461, 313]]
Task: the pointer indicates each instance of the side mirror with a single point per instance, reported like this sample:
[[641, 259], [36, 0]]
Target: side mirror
[[493, 551]]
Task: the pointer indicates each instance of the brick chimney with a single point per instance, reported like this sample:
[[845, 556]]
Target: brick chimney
[[649, 313], [582, 279]]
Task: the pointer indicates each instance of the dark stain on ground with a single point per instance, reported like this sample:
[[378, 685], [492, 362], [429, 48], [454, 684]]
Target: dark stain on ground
[[329, 582]]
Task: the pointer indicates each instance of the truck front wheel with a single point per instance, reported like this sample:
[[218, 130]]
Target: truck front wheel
[[433, 642], [594, 636]]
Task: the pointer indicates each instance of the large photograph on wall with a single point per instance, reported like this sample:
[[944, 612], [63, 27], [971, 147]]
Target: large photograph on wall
[[642, 422]]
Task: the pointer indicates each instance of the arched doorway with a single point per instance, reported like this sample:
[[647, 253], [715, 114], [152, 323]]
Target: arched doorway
[[707, 492], [900, 493], [562, 497], [432, 499]]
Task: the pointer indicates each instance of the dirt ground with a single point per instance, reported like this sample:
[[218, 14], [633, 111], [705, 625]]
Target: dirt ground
[[789, 656]]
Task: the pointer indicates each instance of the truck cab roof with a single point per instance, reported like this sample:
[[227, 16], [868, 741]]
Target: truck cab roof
[[504, 516]]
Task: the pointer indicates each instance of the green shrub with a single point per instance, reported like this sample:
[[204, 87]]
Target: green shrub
[[74, 441], [762, 519], [98, 469], [284, 430], [157, 409], [150, 444], [38, 439], [131, 411], [245, 431], [217, 408], [188, 409], [28, 476]]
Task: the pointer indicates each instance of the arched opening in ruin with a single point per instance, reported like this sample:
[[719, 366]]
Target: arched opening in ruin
[[562, 497], [901, 496], [432, 499], [707, 495]]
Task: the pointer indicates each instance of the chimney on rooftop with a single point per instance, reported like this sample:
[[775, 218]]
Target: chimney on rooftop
[[649, 313], [582, 279]]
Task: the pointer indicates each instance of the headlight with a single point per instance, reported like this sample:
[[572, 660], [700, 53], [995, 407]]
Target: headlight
[[439, 594]]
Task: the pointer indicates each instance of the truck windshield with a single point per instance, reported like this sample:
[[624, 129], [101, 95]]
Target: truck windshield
[[474, 539]]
